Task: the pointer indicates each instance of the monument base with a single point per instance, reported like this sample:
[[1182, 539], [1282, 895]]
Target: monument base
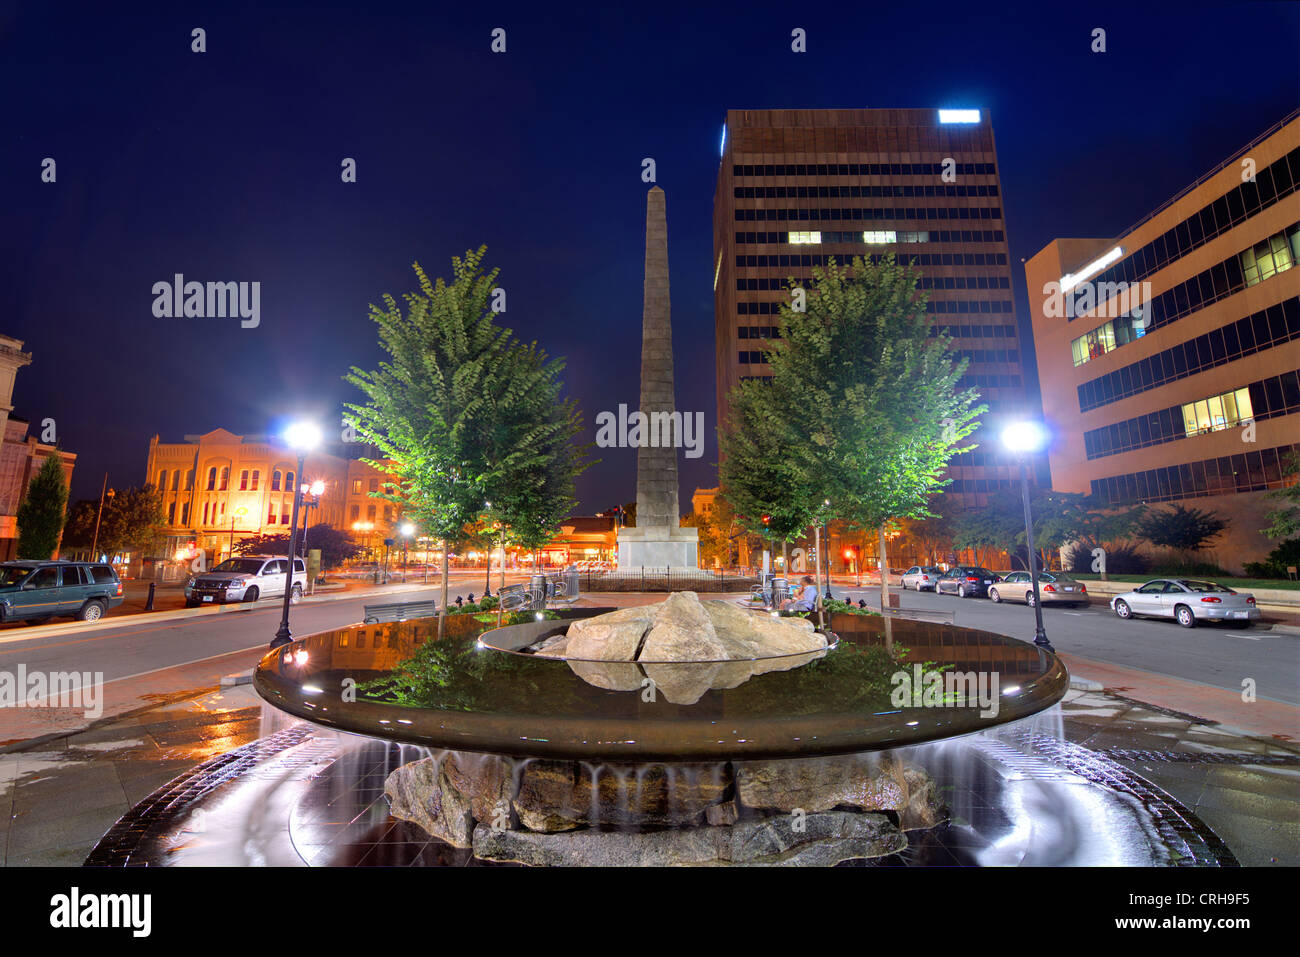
[[671, 548]]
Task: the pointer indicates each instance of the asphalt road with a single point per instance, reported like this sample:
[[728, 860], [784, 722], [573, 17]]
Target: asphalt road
[[1215, 655], [138, 648], [1211, 654]]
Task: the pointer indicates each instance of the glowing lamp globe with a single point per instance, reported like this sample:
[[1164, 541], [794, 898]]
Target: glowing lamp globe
[[1024, 437], [303, 436]]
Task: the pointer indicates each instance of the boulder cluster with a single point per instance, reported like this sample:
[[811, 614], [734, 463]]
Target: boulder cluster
[[547, 812], [723, 644]]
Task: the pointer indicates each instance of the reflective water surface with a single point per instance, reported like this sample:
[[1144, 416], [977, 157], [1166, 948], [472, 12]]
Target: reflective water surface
[[401, 682]]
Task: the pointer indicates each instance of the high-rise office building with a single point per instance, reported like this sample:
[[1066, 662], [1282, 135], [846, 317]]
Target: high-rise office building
[[1173, 351], [798, 186]]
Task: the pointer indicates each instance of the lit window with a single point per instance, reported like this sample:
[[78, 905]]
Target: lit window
[[797, 238], [880, 237]]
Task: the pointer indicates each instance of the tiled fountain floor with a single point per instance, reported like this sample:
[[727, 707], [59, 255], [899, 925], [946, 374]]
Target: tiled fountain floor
[[56, 802]]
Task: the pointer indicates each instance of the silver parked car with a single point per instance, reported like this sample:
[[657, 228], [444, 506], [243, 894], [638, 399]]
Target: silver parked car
[[247, 578], [1053, 589], [921, 577], [1187, 601]]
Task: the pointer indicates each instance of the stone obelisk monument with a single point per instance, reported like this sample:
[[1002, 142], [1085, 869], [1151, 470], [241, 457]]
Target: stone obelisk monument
[[658, 540]]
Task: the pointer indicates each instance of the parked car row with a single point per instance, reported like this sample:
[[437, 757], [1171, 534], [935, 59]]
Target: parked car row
[[1185, 600]]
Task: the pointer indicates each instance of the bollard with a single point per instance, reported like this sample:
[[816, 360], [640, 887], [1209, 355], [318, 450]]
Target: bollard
[[148, 605]]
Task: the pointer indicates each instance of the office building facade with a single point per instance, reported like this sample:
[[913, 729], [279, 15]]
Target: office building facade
[[1173, 353], [796, 187]]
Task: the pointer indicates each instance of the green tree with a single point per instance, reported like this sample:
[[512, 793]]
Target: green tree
[[41, 514], [760, 479], [1284, 521], [336, 546], [874, 405], [467, 413], [1181, 528], [133, 520]]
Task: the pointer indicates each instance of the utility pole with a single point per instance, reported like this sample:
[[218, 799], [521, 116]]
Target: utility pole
[[98, 515]]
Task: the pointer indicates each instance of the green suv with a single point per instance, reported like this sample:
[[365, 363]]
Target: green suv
[[39, 590]]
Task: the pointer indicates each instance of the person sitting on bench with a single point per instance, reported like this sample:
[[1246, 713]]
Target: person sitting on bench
[[806, 600]]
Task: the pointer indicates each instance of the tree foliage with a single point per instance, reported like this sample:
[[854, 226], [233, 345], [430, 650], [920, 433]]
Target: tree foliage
[[467, 413], [41, 514], [1181, 528], [336, 546], [1284, 521], [132, 520]]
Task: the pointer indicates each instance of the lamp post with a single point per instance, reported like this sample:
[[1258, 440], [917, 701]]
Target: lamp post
[[407, 530], [316, 489], [302, 437], [1025, 438]]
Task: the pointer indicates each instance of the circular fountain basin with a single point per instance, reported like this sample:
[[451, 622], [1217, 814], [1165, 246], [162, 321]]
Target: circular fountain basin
[[475, 691]]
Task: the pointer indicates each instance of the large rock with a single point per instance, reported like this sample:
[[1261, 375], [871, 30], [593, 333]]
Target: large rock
[[925, 808], [813, 840], [485, 780], [682, 631], [684, 684], [420, 792], [614, 636], [563, 795], [871, 782], [745, 634]]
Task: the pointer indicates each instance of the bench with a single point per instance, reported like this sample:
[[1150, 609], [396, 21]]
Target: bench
[[514, 598], [400, 611]]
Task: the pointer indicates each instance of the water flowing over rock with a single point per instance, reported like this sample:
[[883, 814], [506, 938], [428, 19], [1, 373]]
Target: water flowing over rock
[[818, 840], [549, 812], [873, 782], [420, 792], [562, 795]]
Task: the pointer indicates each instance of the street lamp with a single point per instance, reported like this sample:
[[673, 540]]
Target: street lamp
[[1024, 438], [302, 437]]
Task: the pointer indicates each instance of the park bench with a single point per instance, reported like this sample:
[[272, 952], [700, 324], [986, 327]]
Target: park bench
[[400, 611], [514, 598]]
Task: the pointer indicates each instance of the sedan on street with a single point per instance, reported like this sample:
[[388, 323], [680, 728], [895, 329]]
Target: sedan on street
[[965, 581], [921, 577], [1053, 589], [1187, 601]]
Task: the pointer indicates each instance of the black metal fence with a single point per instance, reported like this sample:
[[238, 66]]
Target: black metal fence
[[650, 578]]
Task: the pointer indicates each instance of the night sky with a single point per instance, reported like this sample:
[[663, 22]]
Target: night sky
[[225, 166]]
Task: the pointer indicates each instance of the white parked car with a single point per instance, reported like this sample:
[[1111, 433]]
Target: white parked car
[[1187, 601], [246, 578]]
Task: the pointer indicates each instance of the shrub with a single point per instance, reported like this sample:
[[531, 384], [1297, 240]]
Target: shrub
[[1275, 566], [1122, 558]]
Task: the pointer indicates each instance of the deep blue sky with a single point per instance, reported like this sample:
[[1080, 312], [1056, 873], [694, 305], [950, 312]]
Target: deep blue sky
[[225, 166]]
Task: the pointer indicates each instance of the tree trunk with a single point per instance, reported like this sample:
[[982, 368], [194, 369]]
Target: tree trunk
[[785, 559], [503, 563], [884, 572], [442, 612], [487, 579]]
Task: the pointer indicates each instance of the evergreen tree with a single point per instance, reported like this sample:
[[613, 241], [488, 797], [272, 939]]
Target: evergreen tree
[[41, 515]]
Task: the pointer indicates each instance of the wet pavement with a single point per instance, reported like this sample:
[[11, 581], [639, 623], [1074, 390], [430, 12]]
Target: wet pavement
[[60, 797]]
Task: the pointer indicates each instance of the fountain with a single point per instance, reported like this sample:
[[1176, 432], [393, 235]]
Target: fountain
[[686, 732]]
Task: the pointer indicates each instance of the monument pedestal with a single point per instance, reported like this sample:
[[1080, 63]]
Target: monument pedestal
[[663, 547]]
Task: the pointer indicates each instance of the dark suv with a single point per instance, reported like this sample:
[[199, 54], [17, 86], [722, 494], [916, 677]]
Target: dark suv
[[38, 590]]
